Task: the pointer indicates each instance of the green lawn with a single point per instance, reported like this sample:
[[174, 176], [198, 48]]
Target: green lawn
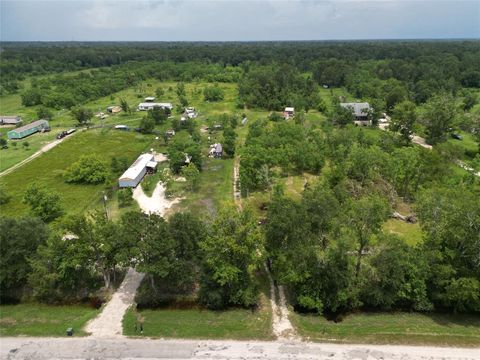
[[411, 233], [48, 169], [15, 154], [392, 328], [199, 323], [44, 320]]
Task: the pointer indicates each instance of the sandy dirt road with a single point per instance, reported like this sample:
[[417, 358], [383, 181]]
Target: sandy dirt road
[[123, 348]]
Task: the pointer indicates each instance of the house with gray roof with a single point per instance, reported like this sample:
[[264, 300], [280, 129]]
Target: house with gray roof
[[360, 111]]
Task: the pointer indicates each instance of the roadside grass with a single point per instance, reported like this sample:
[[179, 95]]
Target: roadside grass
[[34, 319], [48, 169], [392, 328], [15, 154], [199, 323]]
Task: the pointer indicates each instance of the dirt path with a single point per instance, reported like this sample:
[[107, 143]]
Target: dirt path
[[155, 204], [109, 322], [42, 150], [281, 326], [236, 183]]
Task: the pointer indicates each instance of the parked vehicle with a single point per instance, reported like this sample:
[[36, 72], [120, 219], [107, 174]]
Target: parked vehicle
[[457, 136]]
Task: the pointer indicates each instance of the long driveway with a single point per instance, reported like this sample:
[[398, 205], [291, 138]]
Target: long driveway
[[123, 348]]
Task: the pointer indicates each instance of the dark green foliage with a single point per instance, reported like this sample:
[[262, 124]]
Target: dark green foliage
[[230, 255], [158, 115], [439, 117], [5, 197], [44, 113], [19, 239], [403, 119], [213, 93], [118, 165], [147, 124], [82, 115], [43, 203], [125, 197], [229, 138], [89, 169]]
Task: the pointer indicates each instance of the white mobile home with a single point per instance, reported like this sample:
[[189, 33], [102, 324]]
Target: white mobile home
[[151, 105], [135, 173]]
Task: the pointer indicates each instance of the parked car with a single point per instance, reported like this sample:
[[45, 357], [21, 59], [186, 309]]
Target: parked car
[[62, 135], [457, 136]]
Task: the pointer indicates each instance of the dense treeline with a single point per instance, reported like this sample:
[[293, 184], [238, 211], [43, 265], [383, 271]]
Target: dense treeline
[[212, 260], [390, 71]]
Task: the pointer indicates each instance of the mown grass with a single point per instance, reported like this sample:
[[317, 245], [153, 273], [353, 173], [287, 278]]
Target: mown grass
[[411, 233], [392, 328], [199, 323], [48, 169], [44, 320]]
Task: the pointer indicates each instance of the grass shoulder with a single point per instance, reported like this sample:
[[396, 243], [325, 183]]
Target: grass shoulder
[[392, 328]]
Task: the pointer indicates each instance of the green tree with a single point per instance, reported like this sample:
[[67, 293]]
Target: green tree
[[89, 169], [147, 124], [3, 142], [229, 138], [158, 114], [44, 113], [342, 116], [366, 217], [43, 203], [231, 254], [19, 238], [124, 105], [159, 92], [82, 115], [403, 120], [439, 117], [213, 93], [125, 197], [26, 145], [192, 175]]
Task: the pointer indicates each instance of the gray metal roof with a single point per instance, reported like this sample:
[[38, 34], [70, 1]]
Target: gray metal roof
[[31, 125], [359, 109]]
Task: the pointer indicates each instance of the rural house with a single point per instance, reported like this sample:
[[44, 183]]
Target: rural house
[[151, 105], [216, 150], [29, 129], [360, 112], [10, 120], [289, 112], [135, 173]]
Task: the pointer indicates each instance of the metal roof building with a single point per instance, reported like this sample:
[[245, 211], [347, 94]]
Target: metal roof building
[[359, 109], [135, 173], [150, 105], [29, 129], [10, 120]]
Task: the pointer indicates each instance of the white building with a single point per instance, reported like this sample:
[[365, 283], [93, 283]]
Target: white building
[[151, 105], [135, 173]]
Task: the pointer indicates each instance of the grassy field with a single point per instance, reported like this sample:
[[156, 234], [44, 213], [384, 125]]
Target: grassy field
[[235, 323], [43, 320], [393, 328], [48, 169], [17, 153]]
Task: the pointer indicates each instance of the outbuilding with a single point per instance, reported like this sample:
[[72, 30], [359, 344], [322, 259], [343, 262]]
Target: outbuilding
[[114, 109], [289, 112], [29, 129], [10, 120], [135, 173], [151, 105]]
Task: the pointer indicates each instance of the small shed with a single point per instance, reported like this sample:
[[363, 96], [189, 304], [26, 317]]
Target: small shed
[[170, 133], [122, 127], [114, 109], [10, 120], [29, 129], [135, 173], [216, 150], [150, 99]]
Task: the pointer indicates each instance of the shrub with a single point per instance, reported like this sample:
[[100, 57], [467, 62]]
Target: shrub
[[88, 169]]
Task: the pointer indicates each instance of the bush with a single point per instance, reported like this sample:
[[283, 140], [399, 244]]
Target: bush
[[89, 169], [125, 197], [213, 93]]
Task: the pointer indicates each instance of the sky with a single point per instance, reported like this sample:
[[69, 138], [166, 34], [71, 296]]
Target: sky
[[247, 20]]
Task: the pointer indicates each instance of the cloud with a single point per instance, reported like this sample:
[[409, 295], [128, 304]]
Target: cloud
[[174, 20]]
